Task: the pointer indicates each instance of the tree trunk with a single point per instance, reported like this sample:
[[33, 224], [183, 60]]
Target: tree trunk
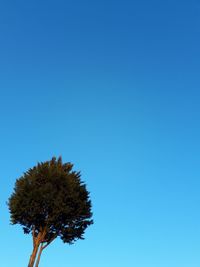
[[39, 255], [33, 256], [37, 243], [42, 247]]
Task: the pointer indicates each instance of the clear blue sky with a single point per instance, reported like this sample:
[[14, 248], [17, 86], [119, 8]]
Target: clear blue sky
[[114, 87]]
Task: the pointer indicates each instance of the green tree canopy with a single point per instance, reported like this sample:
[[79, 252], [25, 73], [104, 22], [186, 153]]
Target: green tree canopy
[[50, 201]]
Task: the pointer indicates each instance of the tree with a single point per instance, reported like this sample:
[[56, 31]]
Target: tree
[[50, 201]]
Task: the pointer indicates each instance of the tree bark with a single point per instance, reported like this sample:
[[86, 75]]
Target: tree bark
[[33, 256], [38, 256], [36, 244]]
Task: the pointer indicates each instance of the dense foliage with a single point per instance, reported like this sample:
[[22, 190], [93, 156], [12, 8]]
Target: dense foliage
[[51, 196], [50, 200]]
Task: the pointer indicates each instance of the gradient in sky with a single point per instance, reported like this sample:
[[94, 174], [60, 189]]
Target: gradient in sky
[[112, 86]]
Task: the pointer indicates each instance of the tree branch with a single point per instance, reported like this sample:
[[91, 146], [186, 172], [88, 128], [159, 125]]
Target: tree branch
[[33, 234], [51, 240]]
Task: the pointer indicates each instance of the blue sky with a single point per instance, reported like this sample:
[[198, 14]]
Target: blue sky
[[112, 86]]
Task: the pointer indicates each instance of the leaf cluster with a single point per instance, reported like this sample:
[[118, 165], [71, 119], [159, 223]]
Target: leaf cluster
[[51, 197]]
